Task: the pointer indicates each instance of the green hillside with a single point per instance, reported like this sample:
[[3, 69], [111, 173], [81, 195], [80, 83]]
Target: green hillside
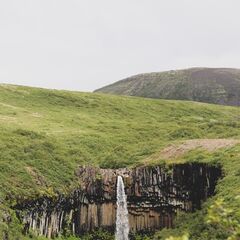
[[210, 85], [47, 134]]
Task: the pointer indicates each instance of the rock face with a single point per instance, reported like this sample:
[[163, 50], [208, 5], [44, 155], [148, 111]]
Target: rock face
[[155, 195]]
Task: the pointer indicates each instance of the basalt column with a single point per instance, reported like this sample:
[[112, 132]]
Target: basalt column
[[154, 196]]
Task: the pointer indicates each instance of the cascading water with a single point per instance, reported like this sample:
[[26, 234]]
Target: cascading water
[[122, 225]]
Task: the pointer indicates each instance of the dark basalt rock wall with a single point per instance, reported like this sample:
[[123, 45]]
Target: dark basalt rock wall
[[155, 195]]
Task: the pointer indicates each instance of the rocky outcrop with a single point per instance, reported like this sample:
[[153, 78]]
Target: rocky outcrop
[[155, 195]]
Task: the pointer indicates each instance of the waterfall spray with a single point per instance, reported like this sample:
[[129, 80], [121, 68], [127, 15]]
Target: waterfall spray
[[122, 225]]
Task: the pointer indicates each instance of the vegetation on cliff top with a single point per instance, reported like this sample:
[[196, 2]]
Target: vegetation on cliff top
[[47, 134], [211, 85]]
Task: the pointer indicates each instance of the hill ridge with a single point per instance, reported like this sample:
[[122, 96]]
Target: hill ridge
[[210, 85]]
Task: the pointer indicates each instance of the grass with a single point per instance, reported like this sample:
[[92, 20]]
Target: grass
[[47, 134], [228, 190]]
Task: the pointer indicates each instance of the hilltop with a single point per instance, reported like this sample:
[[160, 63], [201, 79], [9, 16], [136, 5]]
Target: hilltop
[[210, 85], [47, 134]]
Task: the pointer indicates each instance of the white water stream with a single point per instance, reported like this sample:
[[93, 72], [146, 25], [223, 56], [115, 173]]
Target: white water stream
[[122, 224]]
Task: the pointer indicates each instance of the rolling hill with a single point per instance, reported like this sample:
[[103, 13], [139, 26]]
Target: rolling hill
[[210, 85], [47, 134]]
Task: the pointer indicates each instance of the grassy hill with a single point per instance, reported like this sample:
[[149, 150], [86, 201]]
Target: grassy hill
[[47, 134], [210, 85]]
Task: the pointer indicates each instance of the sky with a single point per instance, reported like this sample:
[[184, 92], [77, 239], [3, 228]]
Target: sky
[[85, 44]]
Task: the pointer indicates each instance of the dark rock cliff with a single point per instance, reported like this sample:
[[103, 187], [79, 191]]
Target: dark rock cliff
[[155, 195]]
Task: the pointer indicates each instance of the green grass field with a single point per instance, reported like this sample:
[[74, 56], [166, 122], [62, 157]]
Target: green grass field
[[47, 134]]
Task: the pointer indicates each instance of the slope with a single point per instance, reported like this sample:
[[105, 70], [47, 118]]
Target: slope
[[210, 85], [47, 134]]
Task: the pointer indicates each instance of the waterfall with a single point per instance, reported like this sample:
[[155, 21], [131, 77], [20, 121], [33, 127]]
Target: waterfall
[[122, 225]]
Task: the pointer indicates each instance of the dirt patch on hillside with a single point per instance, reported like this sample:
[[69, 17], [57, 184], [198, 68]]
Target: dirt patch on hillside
[[7, 118], [9, 106], [37, 115], [211, 145]]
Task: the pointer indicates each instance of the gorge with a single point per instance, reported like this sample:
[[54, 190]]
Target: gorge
[[155, 194]]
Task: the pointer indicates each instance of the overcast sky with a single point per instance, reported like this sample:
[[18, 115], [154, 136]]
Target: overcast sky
[[86, 44]]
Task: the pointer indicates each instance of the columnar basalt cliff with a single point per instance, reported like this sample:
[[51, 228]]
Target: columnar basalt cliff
[[155, 195]]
